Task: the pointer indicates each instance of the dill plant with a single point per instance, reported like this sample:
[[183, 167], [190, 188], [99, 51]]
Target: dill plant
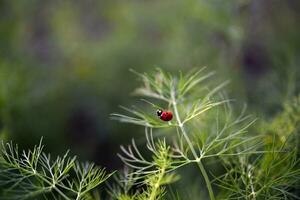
[[33, 174], [205, 128]]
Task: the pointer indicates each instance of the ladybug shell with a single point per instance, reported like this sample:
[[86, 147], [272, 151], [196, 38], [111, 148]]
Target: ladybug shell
[[166, 116]]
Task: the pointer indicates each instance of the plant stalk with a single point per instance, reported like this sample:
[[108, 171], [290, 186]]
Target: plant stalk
[[157, 185], [199, 163]]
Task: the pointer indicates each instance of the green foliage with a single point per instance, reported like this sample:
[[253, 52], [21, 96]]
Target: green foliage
[[63, 60], [275, 174], [33, 173], [207, 130], [286, 125], [153, 174]]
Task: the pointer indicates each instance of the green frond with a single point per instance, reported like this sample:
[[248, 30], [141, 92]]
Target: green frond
[[33, 173], [162, 157], [151, 173], [207, 128], [155, 86], [271, 176], [286, 125], [139, 117]]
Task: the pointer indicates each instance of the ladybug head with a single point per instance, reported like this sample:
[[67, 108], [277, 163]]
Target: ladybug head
[[159, 112]]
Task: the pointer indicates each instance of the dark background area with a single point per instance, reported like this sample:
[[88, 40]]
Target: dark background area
[[64, 65]]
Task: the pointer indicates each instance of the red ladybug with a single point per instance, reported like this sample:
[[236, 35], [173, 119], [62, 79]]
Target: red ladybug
[[164, 115]]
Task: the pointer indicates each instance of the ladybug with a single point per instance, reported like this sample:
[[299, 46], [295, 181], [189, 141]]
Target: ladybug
[[164, 115]]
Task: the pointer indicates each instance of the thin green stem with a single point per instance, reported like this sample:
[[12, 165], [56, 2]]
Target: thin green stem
[[207, 181], [199, 163], [157, 185]]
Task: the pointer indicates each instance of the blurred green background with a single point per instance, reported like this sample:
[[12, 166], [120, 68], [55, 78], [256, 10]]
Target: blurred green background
[[64, 64]]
